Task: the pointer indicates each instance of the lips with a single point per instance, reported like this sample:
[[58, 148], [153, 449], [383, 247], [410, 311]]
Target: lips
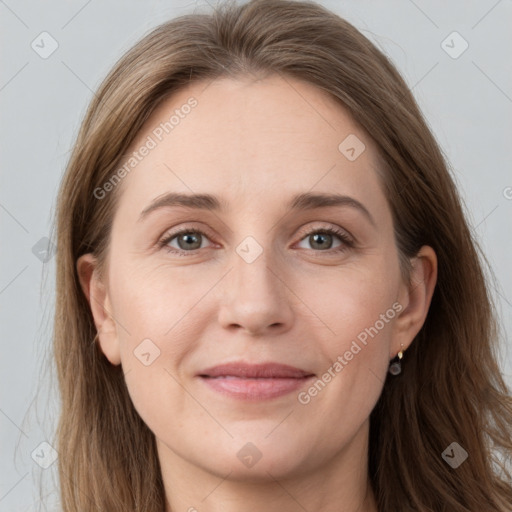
[[254, 381], [255, 371]]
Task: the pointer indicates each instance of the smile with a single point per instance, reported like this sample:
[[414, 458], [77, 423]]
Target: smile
[[254, 381]]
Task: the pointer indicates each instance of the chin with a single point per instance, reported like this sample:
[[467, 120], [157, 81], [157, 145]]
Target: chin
[[259, 460]]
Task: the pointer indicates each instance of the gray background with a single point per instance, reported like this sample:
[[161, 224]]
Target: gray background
[[467, 101]]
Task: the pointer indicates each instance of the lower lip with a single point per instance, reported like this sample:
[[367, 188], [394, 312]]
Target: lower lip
[[254, 389]]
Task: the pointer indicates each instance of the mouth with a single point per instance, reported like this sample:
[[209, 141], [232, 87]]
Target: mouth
[[254, 381]]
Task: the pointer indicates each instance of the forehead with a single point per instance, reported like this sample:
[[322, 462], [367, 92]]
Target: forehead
[[247, 138]]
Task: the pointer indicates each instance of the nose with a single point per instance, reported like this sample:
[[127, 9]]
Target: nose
[[256, 298]]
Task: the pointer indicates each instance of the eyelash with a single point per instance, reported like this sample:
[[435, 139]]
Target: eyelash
[[347, 242]]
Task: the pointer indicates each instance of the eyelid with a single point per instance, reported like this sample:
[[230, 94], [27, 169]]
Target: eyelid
[[337, 230], [346, 240], [169, 235]]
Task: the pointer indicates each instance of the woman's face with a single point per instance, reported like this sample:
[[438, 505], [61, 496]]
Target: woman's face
[[249, 274]]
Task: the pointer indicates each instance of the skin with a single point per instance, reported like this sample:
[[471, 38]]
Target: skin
[[255, 144]]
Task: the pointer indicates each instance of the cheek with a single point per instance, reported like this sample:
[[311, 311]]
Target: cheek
[[154, 313], [155, 301], [358, 309], [352, 301]]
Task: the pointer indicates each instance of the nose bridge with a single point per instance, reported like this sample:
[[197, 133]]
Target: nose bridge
[[256, 298], [255, 271], [253, 267]]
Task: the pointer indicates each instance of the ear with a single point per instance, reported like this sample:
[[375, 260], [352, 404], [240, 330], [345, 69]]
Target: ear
[[97, 295], [415, 298]]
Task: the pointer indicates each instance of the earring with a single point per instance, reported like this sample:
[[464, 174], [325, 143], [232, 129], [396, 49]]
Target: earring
[[395, 367]]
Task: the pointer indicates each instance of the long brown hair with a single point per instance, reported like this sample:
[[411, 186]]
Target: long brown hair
[[451, 389]]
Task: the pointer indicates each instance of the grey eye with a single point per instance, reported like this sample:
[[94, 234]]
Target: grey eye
[[321, 240], [187, 240]]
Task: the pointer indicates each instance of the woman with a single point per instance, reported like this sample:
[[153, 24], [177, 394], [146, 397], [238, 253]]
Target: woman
[[211, 354]]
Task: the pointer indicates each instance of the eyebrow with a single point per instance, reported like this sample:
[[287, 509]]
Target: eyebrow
[[304, 201]]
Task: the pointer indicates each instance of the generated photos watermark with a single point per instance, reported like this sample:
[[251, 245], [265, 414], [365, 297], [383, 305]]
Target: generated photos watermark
[[151, 142], [304, 397]]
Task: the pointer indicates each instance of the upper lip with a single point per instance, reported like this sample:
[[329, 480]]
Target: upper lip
[[254, 371]]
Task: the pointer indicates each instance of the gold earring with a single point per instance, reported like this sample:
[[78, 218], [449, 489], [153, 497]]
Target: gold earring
[[395, 367]]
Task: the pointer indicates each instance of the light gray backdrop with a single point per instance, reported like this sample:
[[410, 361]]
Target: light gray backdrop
[[54, 55]]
